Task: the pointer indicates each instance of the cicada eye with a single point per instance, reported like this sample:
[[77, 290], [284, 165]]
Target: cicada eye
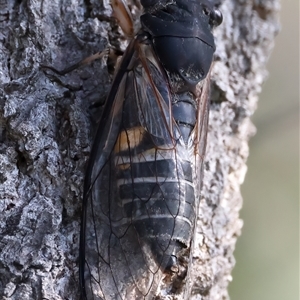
[[216, 17]]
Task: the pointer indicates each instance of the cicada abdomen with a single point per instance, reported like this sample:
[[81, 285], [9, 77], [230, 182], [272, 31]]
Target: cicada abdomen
[[144, 172]]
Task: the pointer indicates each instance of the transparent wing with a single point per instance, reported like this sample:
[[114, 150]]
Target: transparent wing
[[154, 99], [198, 142], [133, 175], [201, 129]]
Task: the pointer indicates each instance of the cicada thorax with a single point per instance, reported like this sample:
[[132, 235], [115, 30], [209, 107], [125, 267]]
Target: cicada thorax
[[182, 38]]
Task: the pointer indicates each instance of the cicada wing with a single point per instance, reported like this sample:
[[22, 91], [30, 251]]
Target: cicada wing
[[121, 186], [201, 130], [154, 99], [94, 206], [198, 140], [111, 246]]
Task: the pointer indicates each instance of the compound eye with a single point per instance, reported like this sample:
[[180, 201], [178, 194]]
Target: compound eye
[[216, 17]]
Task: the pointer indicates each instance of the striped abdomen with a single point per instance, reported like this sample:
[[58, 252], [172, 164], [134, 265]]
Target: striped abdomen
[[156, 191]]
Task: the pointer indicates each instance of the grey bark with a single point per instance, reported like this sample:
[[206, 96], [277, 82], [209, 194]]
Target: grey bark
[[46, 134]]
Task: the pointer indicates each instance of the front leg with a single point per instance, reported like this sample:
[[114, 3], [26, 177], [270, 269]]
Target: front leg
[[79, 64]]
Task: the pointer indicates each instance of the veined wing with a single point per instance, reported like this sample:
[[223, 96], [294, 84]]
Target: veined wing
[[133, 175]]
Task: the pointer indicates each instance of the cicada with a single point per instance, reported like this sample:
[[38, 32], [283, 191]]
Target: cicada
[[143, 180]]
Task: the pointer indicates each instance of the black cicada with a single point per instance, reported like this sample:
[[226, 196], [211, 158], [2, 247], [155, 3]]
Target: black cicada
[[145, 168]]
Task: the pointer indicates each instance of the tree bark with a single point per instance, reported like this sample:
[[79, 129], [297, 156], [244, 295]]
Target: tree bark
[[46, 133]]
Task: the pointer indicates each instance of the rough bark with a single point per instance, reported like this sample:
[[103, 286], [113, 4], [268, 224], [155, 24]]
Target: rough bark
[[46, 134]]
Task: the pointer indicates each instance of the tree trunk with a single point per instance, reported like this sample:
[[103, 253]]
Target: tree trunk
[[46, 135]]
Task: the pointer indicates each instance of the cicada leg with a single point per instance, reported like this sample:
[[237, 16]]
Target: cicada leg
[[124, 19], [122, 14], [79, 64]]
